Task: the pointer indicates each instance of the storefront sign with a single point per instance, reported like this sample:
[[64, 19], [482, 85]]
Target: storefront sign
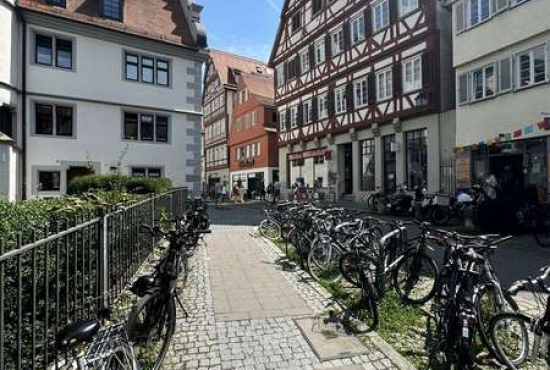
[[463, 180], [308, 154]]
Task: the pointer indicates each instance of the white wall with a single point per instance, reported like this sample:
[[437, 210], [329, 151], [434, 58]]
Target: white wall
[[9, 53], [8, 172]]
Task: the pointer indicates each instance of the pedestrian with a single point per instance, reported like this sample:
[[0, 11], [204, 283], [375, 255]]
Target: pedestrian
[[217, 193], [224, 192], [276, 192]]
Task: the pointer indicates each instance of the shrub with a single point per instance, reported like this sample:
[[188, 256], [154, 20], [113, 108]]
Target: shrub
[[133, 185]]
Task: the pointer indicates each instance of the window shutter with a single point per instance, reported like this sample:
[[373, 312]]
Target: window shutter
[[501, 5], [460, 16], [397, 79], [368, 24], [394, 12], [300, 115], [505, 75], [330, 103], [312, 56], [371, 81], [287, 122], [314, 109], [298, 65], [350, 102], [347, 35], [426, 69], [328, 49], [463, 87], [277, 117]]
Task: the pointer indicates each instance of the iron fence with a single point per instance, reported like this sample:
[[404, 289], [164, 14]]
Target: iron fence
[[448, 177], [76, 268]]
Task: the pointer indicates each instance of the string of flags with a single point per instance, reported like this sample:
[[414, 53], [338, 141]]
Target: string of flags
[[543, 125]]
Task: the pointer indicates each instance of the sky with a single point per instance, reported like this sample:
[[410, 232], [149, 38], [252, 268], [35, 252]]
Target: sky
[[243, 27]]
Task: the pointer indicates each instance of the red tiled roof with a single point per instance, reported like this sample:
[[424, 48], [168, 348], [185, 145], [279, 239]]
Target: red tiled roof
[[224, 62], [260, 85], [157, 19]]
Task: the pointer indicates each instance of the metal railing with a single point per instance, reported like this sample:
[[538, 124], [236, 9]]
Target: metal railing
[[71, 273]]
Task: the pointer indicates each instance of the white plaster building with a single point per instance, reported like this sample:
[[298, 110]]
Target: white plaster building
[[107, 86], [501, 56]]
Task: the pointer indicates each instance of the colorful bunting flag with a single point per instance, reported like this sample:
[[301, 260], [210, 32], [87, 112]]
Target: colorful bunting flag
[[528, 129], [517, 133]]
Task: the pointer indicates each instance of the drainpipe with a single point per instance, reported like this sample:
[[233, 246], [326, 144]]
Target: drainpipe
[[24, 109]]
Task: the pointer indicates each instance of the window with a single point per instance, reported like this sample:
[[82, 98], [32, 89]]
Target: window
[[112, 9], [322, 105], [389, 163], [49, 180], [358, 29], [463, 90], [147, 70], [43, 52], [132, 66], [384, 85], [282, 121], [293, 116], [505, 75], [360, 92], [368, 165], [412, 74], [152, 172], [162, 73], [316, 6], [296, 21], [146, 127], [478, 11], [304, 61], [337, 41], [319, 51], [484, 82], [407, 6], [307, 112], [381, 14], [280, 75], [532, 66], [63, 53], [417, 158], [340, 100], [54, 120]]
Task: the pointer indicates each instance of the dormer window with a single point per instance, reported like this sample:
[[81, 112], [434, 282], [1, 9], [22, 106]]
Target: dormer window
[[111, 9], [60, 3]]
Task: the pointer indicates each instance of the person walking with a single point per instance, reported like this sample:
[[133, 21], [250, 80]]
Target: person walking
[[217, 193], [224, 193]]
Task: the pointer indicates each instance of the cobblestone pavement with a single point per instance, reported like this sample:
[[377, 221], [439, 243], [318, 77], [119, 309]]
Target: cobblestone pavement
[[210, 340]]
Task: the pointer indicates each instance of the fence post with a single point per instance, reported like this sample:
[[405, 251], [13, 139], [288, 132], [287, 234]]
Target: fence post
[[103, 261]]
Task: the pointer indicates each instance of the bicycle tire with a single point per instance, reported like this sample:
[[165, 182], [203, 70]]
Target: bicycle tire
[[542, 229], [416, 261], [368, 306], [141, 336], [321, 261], [351, 265], [121, 358], [497, 340], [270, 230], [484, 319]]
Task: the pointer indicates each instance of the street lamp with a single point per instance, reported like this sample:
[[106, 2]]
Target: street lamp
[[421, 99]]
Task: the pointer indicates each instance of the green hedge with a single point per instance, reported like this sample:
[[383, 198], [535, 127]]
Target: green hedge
[[133, 185]]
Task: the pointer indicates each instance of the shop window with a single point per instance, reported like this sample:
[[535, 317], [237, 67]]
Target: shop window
[[417, 158], [389, 162], [368, 165], [49, 180]]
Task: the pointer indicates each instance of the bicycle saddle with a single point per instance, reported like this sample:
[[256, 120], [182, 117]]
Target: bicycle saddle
[[81, 332]]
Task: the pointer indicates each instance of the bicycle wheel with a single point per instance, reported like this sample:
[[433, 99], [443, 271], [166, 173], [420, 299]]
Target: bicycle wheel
[[510, 337], [414, 278], [270, 230], [121, 358], [353, 264], [542, 229], [323, 259], [366, 308], [151, 325], [488, 304]]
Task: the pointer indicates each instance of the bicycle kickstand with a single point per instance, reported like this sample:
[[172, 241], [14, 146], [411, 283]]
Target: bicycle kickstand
[[181, 306]]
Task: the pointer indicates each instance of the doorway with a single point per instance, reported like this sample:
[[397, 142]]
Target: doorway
[[74, 172], [348, 168], [389, 164]]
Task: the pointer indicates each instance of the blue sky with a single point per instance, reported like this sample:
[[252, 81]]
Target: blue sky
[[244, 27]]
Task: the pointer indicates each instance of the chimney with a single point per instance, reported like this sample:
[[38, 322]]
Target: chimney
[[195, 11]]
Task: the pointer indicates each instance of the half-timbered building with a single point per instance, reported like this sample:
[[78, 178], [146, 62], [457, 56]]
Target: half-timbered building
[[220, 88], [365, 92]]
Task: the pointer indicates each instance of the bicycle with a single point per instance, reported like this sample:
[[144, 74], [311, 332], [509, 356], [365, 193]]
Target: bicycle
[[509, 331]]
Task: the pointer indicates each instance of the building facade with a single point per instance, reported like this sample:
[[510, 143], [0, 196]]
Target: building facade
[[219, 100], [107, 86], [253, 135], [501, 56], [365, 94]]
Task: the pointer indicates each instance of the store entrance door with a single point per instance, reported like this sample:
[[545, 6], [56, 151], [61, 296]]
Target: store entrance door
[[512, 163], [348, 168]]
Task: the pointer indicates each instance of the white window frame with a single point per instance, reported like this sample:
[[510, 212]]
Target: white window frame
[[320, 52], [322, 106], [293, 117], [483, 70], [304, 61], [479, 8], [358, 32], [386, 92], [280, 75], [361, 87], [306, 108], [531, 67], [282, 121], [340, 104], [407, 6], [415, 83], [384, 21], [337, 41]]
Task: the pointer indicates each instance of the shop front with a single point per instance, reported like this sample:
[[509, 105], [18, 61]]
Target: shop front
[[309, 167]]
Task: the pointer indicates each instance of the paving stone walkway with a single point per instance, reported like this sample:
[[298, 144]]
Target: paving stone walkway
[[242, 309]]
